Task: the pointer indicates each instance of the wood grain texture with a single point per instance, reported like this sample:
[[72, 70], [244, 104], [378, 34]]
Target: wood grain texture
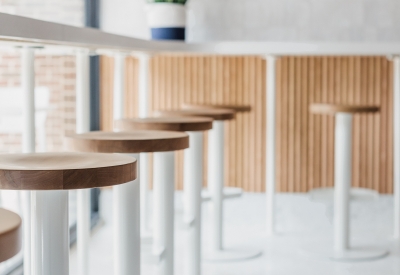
[[305, 141], [140, 141], [64, 171], [236, 108], [216, 114], [10, 234], [331, 109], [166, 123]]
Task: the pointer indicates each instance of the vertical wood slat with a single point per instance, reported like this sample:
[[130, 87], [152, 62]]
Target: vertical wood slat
[[305, 142]]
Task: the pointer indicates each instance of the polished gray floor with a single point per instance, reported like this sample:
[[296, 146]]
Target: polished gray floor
[[301, 224]]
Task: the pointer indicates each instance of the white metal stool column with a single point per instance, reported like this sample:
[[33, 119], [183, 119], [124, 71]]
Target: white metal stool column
[[28, 144], [82, 126], [396, 145], [126, 203], [270, 168], [143, 105], [50, 176], [228, 192], [343, 170], [193, 176], [217, 251]]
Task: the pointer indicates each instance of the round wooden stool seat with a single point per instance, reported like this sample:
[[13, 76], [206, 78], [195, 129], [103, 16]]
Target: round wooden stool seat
[[128, 142], [10, 234], [331, 109], [167, 123], [236, 108], [215, 114], [63, 171]]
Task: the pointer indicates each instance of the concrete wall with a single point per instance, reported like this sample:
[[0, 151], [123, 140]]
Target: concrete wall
[[69, 12], [279, 20], [294, 20]]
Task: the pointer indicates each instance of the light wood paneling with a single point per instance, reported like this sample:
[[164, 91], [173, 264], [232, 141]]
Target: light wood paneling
[[305, 142]]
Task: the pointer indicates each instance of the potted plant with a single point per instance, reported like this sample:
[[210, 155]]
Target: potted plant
[[166, 19]]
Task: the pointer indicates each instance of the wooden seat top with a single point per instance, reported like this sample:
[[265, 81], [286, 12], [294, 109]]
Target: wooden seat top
[[140, 141], [167, 123], [234, 107], [10, 234], [64, 171], [331, 109], [215, 114]]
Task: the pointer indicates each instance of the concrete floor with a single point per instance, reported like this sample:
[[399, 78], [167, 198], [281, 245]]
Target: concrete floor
[[300, 224]]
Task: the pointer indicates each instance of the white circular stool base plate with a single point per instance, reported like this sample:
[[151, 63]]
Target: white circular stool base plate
[[146, 240], [229, 193], [231, 255], [356, 194], [147, 255], [357, 254]]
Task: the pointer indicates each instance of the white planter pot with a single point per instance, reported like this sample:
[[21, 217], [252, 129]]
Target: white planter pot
[[167, 21]]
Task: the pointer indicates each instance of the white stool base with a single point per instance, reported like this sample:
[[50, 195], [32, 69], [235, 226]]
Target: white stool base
[[356, 194], [356, 254], [146, 238], [229, 193], [231, 255]]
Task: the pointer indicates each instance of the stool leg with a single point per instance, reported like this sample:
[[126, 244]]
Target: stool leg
[[193, 181], [343, 172], [144, 196], [83, 230], [215, 185], [271, 144], [126, 202], [343, 168], [82, 126], [51, 232], [28, 142], [163, 232], [216, 180], [396, 145]]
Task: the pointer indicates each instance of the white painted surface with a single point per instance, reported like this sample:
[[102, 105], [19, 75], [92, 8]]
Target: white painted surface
[[50, 229], [396, 144], [143, 106], [83, 126], [126, 237], [119, 86], [163, 213], [343, 163], [270, 143], [193, 183], [216, 181], [28, 146]]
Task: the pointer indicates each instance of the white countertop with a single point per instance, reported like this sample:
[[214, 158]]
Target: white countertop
[[17, 30]]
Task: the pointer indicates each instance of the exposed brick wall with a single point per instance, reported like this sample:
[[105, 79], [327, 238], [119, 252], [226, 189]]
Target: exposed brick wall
[[55, 72]]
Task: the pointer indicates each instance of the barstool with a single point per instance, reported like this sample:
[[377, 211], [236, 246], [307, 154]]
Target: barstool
[[343, 171], [215, 180], [193, 174], [162, 144], [10, 234], [50, 176], [229, 192]]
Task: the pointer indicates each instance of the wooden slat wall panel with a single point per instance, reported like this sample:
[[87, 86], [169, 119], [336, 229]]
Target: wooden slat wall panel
[[305, 142]]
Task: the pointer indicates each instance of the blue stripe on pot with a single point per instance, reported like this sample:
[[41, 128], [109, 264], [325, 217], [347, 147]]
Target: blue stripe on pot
[[172, 33], [166, 20]]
